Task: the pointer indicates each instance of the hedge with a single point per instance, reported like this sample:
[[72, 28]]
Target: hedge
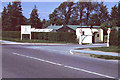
[[55, 36], [50, 36], [11, 34], [115, 38]]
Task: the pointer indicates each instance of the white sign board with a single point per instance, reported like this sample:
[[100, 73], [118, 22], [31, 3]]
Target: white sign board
[[25, 29]]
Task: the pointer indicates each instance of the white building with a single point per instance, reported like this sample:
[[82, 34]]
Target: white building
[[89, 35]]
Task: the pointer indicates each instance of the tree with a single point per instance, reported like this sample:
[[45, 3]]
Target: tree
[[118, 24], [113, 19], [43, 23], [103, 13], [18, 17], [89, 9], [4, 13], [114, 13], [4, 17], [47, 23], [94, 15], [80, 7], [94, 20], [12, 16], [34, 20], [62, 14], [7, 22]]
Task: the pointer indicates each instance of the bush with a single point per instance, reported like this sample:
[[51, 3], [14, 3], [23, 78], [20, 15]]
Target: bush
[[114, 38]]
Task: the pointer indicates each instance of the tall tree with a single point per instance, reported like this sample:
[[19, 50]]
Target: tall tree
[[103, 13], [4, 17], [94, 16], [80, 7], [17, 14], [114, 16], [89, 9], [14, 16], [8, 22], [118, 24], [114, 13], [62, 14], [34, 19], [43, 23]]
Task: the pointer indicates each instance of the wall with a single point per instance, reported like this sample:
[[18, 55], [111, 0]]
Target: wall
[[87, 37]]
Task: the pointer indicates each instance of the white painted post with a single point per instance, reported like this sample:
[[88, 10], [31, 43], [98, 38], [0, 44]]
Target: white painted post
[[30, 36], [21, 36], [80, 39], [108, 32], [80, 36]]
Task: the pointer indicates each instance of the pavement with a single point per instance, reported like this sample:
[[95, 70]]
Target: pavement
[[53, 61]]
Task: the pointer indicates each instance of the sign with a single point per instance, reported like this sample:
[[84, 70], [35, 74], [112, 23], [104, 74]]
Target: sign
[[80, 30], [25, 29], [108, 31]]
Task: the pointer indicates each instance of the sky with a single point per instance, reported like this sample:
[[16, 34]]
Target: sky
[[46, 8]]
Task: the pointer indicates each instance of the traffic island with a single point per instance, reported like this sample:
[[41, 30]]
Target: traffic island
[[96, 54]]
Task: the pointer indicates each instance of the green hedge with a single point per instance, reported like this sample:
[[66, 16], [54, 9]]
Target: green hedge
[[115, 38], [50, 36], [55, 36], [11, 34]]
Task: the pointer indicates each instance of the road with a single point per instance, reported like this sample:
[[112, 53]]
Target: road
[[53, 61]]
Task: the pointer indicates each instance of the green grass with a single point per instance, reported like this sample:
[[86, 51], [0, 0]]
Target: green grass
[[35, 41], [107, 49], [105, 39], [105, 57]]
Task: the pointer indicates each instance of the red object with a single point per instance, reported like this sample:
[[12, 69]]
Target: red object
[[80, 30], [108, 31]]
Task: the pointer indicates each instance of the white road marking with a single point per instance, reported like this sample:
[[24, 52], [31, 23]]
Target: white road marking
[[66, 66], [71, 51]]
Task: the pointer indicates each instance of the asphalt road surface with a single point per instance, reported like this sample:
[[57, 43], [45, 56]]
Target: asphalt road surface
[[53, 61]]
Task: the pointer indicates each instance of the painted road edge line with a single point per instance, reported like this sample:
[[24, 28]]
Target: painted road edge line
[[66, 66]]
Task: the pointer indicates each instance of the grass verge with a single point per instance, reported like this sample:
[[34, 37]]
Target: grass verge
[[105, 57], [35, 41], [107, 49]]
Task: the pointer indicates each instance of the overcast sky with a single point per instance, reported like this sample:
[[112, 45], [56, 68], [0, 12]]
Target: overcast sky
[[45, 8]]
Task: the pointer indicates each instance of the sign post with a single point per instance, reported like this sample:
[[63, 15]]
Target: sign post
[[25, 29], [80, 37], [108, 32]]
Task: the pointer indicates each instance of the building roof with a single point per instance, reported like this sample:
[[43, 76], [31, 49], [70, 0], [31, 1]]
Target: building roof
[[74, 27], [54, 27]]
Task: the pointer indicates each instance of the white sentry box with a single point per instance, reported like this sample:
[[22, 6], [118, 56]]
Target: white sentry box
[[25, 29]]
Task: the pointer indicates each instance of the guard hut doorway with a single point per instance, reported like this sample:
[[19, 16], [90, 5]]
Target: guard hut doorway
[[94, 37]]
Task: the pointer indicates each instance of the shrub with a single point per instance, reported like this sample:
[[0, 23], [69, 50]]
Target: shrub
[[114, 38]]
